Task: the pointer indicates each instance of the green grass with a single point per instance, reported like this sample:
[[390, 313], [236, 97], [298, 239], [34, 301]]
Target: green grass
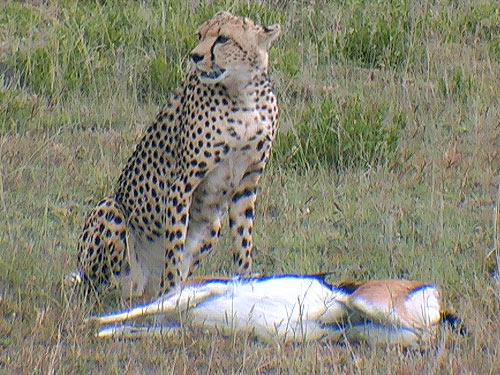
[[341, 133], [385, 165]]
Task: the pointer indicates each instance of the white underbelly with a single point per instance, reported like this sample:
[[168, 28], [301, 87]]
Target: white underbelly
[[276, 306]]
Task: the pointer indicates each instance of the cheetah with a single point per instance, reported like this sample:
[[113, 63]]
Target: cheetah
[[202, 156]]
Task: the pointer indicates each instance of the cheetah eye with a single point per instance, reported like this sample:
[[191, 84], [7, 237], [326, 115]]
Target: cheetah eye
[[221, 39], [198, 35]]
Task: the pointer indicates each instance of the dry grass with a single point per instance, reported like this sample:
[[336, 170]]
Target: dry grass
[[422, 209]]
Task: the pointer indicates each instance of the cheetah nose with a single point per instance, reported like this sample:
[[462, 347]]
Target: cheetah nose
[[196, 58]]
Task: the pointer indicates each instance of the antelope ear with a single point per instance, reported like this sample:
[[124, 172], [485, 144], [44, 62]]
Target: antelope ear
[[268, 34]]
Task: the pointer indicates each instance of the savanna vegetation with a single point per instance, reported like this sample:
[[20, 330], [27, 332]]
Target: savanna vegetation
[[386, 165]]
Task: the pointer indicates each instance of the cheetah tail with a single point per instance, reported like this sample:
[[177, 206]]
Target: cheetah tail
[[75, 281]]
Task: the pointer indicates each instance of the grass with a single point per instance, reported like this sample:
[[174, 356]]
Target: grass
[[386, 165]]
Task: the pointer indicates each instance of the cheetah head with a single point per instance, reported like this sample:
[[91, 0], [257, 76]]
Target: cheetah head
[[232, 50]]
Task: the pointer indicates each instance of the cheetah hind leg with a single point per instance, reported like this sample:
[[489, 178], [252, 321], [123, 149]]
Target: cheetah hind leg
[[102, 249]]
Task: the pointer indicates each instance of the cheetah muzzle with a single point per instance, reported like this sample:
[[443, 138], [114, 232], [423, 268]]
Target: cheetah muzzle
[[203, 156]]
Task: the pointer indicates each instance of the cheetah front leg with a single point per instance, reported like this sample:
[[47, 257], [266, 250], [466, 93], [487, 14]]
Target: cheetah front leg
[[177, 224], [205, 215], [241, 214], [201, 238]]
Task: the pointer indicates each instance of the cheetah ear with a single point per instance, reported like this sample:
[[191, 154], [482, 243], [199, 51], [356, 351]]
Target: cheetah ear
[[268, 34]]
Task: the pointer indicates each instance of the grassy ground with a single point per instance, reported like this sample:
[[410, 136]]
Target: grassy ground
[[386, 165]]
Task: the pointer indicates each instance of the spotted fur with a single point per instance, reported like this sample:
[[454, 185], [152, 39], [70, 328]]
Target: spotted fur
[[202, 156]]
